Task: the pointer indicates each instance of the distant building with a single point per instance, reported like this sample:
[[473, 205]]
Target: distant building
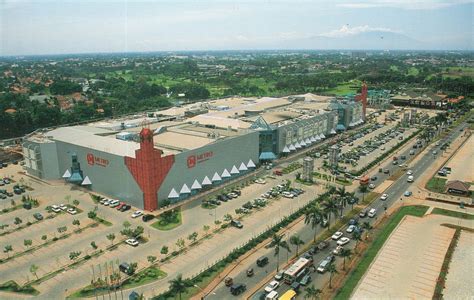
[[334, 156], [423, 99], [458, 187], [308, 169]]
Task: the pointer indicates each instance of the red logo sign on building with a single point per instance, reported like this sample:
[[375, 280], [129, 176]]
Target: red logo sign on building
[[90, 159], [191, 161], [95, 160]]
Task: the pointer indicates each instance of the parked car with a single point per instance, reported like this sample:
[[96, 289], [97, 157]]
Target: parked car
[[278, 276], [323, 245], [72, 211], [137, 213], [38, 216], [351, 228], [336, 235], [228, 281], [407, 194], [132, 242], [384, 197], [305, 280], [125, 208], [236, 224], [55, 208], [337, 250], [237, 289], [343, 241], [250, 272], [372, 213], [147, 217]]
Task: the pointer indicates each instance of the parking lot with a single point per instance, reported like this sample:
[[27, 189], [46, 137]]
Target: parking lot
[[415, 249], [459, 169]]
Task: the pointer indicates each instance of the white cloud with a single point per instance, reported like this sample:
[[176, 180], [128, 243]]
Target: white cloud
[[346, 30], [404, 4]]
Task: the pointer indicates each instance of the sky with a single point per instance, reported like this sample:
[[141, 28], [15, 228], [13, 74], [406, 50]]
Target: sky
[[30, 27]]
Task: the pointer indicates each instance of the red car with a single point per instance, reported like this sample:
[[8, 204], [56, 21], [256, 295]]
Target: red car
[[120, 205]]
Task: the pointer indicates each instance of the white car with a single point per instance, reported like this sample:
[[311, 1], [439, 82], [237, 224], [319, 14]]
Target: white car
[[137, 214], [410, 172], [55, 208], [114, 203], [278, 276], [272, 286], [384, 197], [350, 229], [338, 250], [132, 242], [336, 235], [371, 186], [62, 206], [107, 202], [260, 181], [72, 211], [343, 241], [287, 195]]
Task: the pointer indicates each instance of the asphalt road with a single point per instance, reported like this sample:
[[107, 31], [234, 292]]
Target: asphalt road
[[395, 193]]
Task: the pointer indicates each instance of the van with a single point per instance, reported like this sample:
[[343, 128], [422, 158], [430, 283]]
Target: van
[[273, 295], [372, 212], [237, 289], [410, 178], [125, 268], [262, 261], [363, 213], [323, 266], [288, 295], [287, 195]]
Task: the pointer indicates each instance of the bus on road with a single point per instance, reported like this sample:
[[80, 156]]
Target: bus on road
[[297, 270]]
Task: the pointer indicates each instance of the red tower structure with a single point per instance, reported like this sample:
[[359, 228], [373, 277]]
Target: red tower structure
[[149, 168], [362, 97]]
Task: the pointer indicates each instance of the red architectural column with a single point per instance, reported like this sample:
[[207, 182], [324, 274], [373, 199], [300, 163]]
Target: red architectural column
[[149, 168]]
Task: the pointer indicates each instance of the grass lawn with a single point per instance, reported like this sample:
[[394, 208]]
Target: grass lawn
[[12, 286], [343, 89], [452, 213], [436, 184], [413, 71], [160, 225], [369, 197], [355, 276]]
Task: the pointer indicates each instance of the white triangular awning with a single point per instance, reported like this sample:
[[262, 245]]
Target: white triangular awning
[[351, 124], [292, 147], [196, 185], [251, 164], [317, 138], [173, 194], [185, 189], [286, 150], [216, 177], [297, 145], [308, 141], [234, 170], [243, 167], [361, 121], [67, 174], [86, 181], [225, 173], [303, 144], [206, 181], [333, 131], [313, 139], [322, 136]]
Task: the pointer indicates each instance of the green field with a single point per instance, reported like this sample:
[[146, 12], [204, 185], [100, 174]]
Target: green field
[[452, 213], [436, 184], [355, 276], [413, 71], [344, 89]]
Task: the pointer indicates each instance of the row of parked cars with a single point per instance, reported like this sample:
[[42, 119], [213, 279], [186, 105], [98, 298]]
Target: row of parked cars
[[224, 197], [62, 207], [122, 206]]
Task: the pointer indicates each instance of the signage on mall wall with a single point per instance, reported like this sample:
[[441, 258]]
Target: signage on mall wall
[[193, 160], [93, 160]]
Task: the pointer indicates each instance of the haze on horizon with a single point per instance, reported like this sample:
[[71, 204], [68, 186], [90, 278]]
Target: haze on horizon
[[73, 26]]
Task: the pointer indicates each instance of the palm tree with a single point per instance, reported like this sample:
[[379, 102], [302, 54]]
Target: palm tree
[[313, 216], [111, 237], [367, 227], [33, 270], [312, 292], [357, 237], [345, 253], [352, 195], [330, 207], [332, 270], [296, 241], [277, 243], [363, 189], [178, 285]]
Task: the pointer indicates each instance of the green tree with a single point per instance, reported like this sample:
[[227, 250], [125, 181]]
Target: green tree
[[313, 216], [367, 227], [34, 269], [330, 208], [75, 202], [17, 221], [363, 189], [357, 237], [111, 238], [193, 237], [7, 249], [151, 259], [178, 285], [27, 243], [74, 255], [228, 218], [94, 245], [277, 243], [296, 241], [92, 215], [312, 292], [345, 254], [76, 222], [332, 270], [180, 243], [164, 250], [206, 229], [44, 237]]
